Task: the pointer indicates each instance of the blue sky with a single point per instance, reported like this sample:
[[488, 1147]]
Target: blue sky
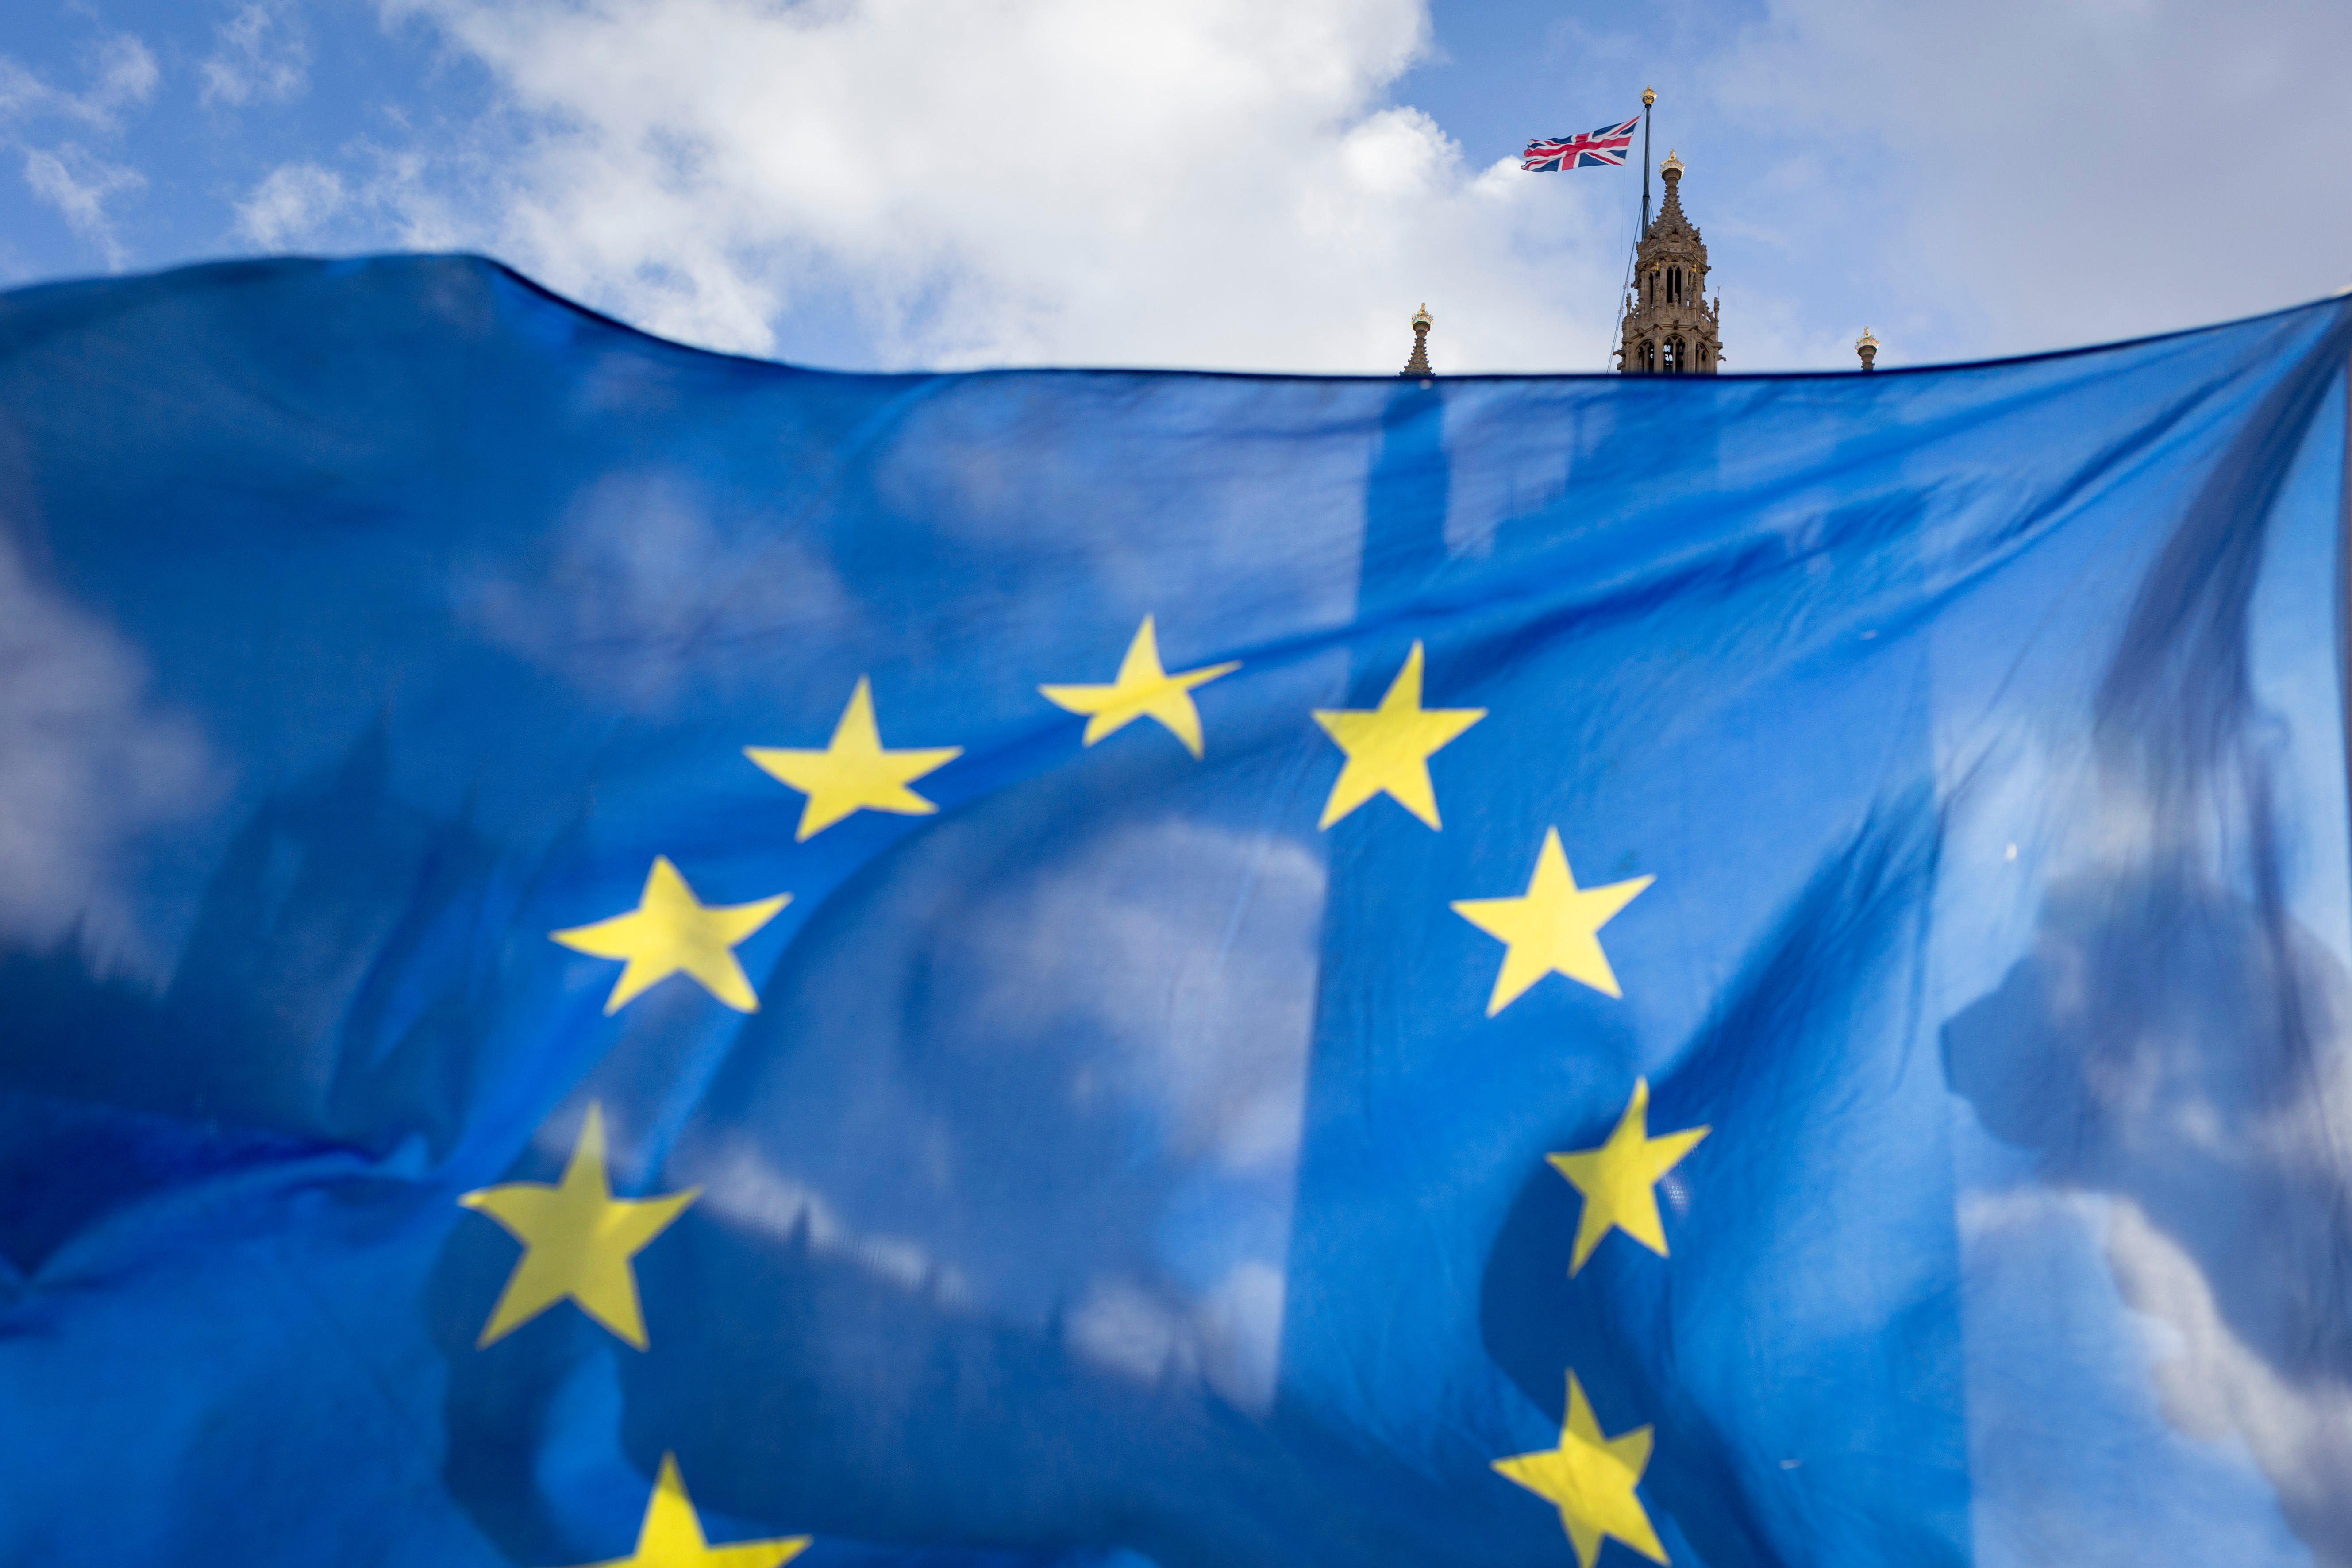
[[1211, 182]]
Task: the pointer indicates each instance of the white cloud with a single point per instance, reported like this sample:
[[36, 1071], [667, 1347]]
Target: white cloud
[[290, 205], [2299, 1429], [1148, 991], [640, 591], [258, 57], [747, 1189], [1213, 183], [66, 174], [2059, 171], [2177, 1061], [1193, 950], [1240, 1327], [1185, 182], [87, 764], [1124, 1329], [1196, 949], [1230, 1338], [22, 94], [79, 184], [122, 75], [2211, 1385]]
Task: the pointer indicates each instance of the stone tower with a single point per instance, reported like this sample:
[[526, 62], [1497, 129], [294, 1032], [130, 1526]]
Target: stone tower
[[1670, 327], [1419, 363]]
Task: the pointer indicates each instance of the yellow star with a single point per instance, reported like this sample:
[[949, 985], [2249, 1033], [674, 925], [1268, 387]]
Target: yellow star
[[1554, 928], [577, 1240], [1389, 747], [854, 772], [1618, 1180], [1142, 689], [1591, 1478], [671, 1535], [670, 930]]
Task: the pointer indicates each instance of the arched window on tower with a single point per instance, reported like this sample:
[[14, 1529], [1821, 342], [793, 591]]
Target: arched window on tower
[[1674, 356], [1649, 356], [1674, 285]]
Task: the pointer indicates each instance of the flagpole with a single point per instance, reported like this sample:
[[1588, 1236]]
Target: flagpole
[[1633, 250], [1648, 97]]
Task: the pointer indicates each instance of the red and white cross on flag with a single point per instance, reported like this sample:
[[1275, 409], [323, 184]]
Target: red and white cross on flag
[[1607, 146]]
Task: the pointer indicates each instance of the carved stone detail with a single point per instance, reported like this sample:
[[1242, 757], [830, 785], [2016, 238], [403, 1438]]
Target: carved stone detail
[[1669, 327], [1419, 363]]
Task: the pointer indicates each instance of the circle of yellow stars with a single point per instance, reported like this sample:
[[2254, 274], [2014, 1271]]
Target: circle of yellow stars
[[580, 1241]]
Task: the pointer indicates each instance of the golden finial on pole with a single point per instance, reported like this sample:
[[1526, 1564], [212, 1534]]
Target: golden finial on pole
[[1867, 347], [1648, 97]]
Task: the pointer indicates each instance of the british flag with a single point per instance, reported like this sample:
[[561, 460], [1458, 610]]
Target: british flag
[[1593, 148]]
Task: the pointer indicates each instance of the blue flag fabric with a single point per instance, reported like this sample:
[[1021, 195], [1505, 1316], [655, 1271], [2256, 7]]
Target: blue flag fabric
[[610, 954]]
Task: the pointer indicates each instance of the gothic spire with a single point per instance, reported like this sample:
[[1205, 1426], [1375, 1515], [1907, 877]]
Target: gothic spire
[[1669, 328], [1419, 363], [1670, 211]]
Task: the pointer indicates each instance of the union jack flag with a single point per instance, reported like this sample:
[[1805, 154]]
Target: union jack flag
[[1593, 148]]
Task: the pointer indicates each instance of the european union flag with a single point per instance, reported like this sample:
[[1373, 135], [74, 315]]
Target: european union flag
[[615, 955]]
